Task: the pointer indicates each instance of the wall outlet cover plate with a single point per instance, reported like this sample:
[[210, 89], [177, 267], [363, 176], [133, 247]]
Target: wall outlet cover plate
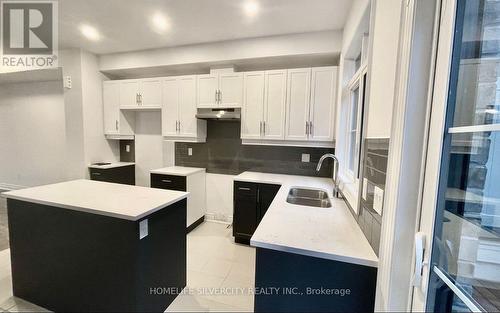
[[306, 157]]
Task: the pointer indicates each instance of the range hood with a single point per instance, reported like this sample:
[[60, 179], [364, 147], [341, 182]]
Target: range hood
[[219, 114]]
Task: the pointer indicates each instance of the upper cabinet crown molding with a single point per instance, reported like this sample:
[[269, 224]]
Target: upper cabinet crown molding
[[220, 90]]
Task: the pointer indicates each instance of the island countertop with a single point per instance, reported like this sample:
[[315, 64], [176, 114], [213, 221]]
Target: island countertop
[[328, 233], [108, 199]]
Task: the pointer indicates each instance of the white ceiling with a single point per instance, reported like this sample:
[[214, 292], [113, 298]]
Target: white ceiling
[[125, 25]]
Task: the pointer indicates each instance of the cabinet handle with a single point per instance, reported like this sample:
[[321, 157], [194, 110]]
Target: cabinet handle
[[307, 128], [179, 126], [264, 127], [311, 128], [140, 98], [260, 128], [220, 96], [216, 96], [166, 180], [96, 174], [137, 98], [244, 188], [116, 124]]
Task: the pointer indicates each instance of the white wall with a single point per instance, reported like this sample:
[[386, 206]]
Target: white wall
[[285, 45], [32, 134], [148, 146], [220, 197]]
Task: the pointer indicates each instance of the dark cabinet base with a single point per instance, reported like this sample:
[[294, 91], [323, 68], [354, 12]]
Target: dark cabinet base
[[287, 282], [120, 175], [70, 261]]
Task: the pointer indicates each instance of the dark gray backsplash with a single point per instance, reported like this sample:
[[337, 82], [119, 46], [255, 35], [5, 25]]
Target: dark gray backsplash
[[223, 153], [124, 155], [374, 171]]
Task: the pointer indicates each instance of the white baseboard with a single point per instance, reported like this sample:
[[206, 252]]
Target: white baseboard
[[220, 218]]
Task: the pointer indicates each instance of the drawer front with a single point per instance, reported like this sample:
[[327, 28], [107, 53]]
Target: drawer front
[[242, 189], [99, 175], [170, 182]]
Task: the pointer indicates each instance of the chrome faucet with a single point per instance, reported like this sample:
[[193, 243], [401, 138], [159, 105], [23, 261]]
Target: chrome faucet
[[336, 192]]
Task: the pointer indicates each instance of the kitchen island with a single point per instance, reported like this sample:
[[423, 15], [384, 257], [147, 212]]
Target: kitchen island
[[94, 246]]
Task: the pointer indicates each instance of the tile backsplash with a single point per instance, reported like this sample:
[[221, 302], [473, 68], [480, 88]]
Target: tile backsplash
[[223, 153], [373, 175]]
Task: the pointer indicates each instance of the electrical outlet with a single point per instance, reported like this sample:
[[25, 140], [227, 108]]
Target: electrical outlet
[[306, 157], [378, 199], [127, 148], [67, 82], [190, 151]]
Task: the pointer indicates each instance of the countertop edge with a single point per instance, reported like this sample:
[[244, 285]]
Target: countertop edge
[[97, 212], [321, 255], [110, 166], [173, 173]]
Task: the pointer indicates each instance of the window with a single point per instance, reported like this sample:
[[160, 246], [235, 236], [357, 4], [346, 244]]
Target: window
[[355, 122], [353, 129]]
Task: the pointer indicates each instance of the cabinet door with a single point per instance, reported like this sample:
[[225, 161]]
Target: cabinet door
[[129, 93], [297, 108], [169, 111], [111, 103], [275, 103], [245, 209], [187, 106], [253, 105], [150, 93], [322, 111], [231, 90], [207, 87], [266, 193]]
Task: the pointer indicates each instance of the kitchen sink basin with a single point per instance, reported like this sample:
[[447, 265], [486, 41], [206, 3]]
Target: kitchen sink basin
[[309, 197]]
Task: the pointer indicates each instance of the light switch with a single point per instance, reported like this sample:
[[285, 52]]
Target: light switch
[[306, 157], [143, 228], [190, 151], [378, 199], [127, 148]]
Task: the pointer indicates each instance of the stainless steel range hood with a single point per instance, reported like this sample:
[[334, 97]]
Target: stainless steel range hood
[[219, 114]]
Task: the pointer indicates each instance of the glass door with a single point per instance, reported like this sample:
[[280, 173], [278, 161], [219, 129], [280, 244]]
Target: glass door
[[464, 268]]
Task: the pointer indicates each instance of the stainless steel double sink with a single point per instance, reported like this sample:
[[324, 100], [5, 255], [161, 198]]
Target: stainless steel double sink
[[309, 197]]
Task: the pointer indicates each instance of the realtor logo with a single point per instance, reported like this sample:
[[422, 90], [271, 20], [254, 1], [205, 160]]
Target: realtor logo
[[29, 33]]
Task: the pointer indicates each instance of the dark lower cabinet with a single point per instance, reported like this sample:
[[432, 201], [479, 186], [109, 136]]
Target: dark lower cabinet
[[120, 175], [251, 202]]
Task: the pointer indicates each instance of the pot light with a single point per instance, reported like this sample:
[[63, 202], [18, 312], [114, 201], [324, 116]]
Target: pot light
[[160, 23], [90, 32], [251, 8]]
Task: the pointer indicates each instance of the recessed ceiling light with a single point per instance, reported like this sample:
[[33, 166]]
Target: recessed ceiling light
[[90, 32], [251, 7], [160, 23]]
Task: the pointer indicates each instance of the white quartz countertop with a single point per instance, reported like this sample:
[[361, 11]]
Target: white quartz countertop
[[111, 165], [329, 233], [178, 170], [109, 199]]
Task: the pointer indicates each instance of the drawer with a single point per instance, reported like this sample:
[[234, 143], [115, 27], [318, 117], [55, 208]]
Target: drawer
[[98, 174], [119, 175], [243, 189], [170, 182]]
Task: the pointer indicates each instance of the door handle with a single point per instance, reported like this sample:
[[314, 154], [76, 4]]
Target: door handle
[[419, 259]]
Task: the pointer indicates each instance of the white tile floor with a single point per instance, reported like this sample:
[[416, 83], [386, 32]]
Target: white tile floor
[[215, 265]]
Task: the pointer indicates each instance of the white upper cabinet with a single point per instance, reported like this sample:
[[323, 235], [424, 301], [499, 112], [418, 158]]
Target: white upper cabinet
[[208, 95], [179, 120], [230, 90], [170, 108], [322, 108], [297, 104], [223, 90], [252, 112], [116, 123], [150, 93], [129, 93], [275, 103], [140, 93]]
